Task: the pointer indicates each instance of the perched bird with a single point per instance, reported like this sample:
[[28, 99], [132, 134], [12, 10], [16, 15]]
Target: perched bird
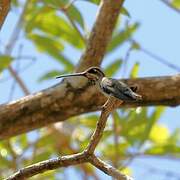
[[108, 86]]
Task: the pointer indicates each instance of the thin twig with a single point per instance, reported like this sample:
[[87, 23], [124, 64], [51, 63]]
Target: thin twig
[[19, 80], [160, 59], [156, 57], [10, 45], [127, 56], [95, 138], [13, 87]]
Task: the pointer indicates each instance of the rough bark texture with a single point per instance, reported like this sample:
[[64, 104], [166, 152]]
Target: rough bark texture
[[101, 34], [69, 99], [4, 9]]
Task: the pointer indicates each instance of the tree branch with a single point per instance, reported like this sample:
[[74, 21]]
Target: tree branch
[[4, 9], [101, 34], [70, 98], [95, 138], [86, 156], [50, 164], [108, 169]]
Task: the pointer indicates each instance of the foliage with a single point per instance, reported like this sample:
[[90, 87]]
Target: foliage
[[51, 29]]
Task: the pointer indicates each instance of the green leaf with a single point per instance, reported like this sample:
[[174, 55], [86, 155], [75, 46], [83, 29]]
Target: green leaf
[[113, 67], [46, 44], [5, 62], [48, 22], [67, 62], [95, 1], [51, 74], [159, 134], [168, 149], [135, 46], [135, 70], [176, 4], [52, 47], [125, 12], [75, 15], [72, 10], [15, 3], [151, 122], [175, 136], [89, 121], [119, 38]]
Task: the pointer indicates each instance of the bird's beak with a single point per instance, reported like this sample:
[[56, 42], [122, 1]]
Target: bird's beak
[[70, 75]]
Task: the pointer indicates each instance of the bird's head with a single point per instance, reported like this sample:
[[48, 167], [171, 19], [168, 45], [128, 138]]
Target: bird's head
[[92, 74]]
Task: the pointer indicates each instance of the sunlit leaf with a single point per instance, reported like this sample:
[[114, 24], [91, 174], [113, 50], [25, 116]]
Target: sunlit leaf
[[135, 70], [94, 1], [169, 149], [47, 44], [127, 171], [151, 122], [159, 134], [176, 4], [69, 7], [5, 62], [62, 29], [113, 67], [4, 162], [120, 37]]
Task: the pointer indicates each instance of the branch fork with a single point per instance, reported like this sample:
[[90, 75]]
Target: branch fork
[[87, 156]]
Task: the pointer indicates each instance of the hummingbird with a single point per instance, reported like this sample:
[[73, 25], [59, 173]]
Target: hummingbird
[[108, 86]]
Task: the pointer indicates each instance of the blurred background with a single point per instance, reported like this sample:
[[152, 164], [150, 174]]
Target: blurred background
[[40, 40]]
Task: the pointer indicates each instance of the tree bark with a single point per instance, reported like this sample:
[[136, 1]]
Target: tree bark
[[101, 34], [65, 100], [4, 9]]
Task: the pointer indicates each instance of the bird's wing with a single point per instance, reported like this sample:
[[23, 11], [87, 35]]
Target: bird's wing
[[118, 89]]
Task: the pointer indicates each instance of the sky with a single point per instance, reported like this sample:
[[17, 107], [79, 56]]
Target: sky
[[158, 32]]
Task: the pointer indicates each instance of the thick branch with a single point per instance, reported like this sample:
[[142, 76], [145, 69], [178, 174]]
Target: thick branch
[[101, 34], [65, 100], [4, 9]]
